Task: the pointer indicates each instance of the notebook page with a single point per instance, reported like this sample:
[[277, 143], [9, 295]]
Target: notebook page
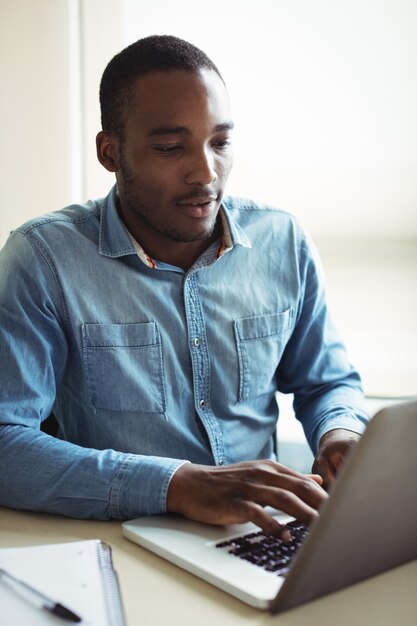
[[68, 573]]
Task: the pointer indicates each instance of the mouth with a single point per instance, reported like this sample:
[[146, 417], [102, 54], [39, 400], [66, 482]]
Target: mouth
[[198, 207]]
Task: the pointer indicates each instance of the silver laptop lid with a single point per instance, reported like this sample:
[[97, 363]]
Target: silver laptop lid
[[369, 523]]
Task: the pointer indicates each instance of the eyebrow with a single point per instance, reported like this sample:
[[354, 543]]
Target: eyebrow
[[183, 130]]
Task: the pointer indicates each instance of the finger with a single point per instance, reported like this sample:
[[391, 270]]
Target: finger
[[257, 515], [283, 469], [280, 499], [336, 459], [317, 478], [271, 466], [307, 490], [290, 503], [325, 470], [290, 472]]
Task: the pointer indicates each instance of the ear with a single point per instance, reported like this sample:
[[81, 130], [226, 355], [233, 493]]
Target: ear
[[107, 146]]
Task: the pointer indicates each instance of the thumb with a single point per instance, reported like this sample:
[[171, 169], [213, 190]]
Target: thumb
[[317, 478]]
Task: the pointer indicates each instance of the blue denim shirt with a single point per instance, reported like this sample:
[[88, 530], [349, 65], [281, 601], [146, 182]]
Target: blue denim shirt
[[146, 366]]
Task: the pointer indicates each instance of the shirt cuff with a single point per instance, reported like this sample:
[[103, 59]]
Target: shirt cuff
[[140, 486], [344, 422]]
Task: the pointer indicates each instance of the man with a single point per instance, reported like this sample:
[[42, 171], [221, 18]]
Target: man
[[159, 322]]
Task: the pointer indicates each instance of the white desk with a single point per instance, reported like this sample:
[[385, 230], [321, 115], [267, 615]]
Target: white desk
[[156, 593]]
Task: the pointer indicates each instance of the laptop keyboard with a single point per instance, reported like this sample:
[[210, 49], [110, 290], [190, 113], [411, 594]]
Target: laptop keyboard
[[265, 550]]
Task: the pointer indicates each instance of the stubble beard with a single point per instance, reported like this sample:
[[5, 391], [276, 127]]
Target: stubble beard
[[144, 212]]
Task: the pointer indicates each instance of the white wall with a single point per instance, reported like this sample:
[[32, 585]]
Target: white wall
[[34, 113], [52, 53], [324, 95], [325, 98]]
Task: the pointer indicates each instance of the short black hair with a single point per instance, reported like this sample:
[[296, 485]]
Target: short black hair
[[157, 53]]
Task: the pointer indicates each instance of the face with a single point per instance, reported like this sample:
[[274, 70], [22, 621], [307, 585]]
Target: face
[[175, 157]]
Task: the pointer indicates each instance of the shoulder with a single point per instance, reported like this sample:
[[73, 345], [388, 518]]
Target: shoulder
[[52, 236], [70, 216], [245, 209], [59, 231], [273, 231], [263, 218]]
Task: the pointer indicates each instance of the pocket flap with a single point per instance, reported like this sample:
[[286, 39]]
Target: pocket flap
[[120, 335], [263, 325]]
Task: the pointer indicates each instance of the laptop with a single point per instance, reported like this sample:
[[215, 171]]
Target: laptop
[[368, 525]]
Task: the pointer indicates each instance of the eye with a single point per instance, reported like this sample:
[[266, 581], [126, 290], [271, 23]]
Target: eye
[[223, 145], [167, 149]]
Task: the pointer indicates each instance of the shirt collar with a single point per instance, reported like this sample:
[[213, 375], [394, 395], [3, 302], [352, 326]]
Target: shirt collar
[[233, 234], [115, 240]]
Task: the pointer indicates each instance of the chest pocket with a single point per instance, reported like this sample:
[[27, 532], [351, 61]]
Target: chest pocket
[[260, 342], [124, 368]]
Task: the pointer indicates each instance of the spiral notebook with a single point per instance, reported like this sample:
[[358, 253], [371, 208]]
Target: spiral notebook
[[79, 575]]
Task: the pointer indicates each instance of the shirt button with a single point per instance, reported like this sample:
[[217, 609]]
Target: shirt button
[[202, 403], [196, 342]]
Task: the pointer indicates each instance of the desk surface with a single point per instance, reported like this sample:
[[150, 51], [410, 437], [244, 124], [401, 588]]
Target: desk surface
[[157, 593]]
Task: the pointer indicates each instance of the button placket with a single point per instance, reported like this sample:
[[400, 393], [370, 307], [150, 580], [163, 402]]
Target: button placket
[[201, 364]]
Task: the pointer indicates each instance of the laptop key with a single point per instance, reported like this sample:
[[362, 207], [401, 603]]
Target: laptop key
[[266, 551]]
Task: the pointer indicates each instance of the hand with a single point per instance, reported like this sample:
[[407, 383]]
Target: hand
[[333, 448], [237, 493]]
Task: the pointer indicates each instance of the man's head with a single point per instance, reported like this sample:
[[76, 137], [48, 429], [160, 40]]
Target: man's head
[[158, 53], [167, 137]]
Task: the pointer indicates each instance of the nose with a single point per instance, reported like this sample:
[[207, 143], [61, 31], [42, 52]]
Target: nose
[[201, 169]]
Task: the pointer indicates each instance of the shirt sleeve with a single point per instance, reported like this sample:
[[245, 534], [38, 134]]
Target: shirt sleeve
[[37, 471], [315, 367]]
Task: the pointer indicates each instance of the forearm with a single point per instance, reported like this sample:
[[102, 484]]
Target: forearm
[[41, 473], [335, 406], [315, 366]]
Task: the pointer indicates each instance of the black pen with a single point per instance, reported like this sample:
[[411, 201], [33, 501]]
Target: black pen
[[39, 599]]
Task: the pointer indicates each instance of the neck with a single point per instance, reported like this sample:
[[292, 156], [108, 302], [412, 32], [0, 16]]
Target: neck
[[160, 248], [181, 255]]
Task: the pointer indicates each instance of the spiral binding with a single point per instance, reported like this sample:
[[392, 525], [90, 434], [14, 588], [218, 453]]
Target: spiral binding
[[112, 595]]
